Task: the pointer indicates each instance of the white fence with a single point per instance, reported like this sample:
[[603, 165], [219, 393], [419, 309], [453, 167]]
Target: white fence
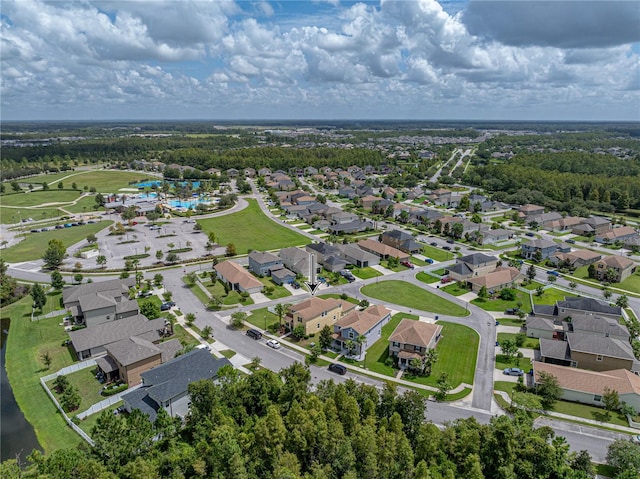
[[105, 403]]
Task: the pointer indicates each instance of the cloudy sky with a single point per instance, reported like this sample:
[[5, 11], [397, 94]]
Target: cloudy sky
[[335, 59]]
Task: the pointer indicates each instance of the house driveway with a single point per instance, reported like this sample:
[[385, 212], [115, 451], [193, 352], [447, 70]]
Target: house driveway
[[259, 298], [382, 269]]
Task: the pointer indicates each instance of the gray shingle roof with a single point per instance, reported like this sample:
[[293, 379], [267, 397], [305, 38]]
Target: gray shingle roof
[[71, 295], [589, 304], [598, 324], [588, 343], [460, 268], [477, 258], [544, 324], [107, 333], [550, 348], [263, 258]]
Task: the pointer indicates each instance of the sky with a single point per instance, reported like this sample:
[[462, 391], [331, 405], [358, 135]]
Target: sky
[[312, 59]]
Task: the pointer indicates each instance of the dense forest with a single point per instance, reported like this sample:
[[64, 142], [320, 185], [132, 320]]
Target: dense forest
[[271, 426]]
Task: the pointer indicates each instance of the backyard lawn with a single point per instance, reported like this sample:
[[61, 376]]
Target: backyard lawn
[[529, 343], [250, 229], [550, 296], [367, 273], [87, 385], [92, 420], [498, 304], [455, 289], [34, 244], [436, 253], [26, 343], [412, 296]]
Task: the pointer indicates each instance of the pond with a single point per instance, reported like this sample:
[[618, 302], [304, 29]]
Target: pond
[[17, 437]]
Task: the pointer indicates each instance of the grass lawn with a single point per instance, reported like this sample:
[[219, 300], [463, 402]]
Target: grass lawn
[[532, 285], [36, 198], [455, 289], [631, 284], [92, 420], [195, 289], [550, 296], [589, 412], [228, 353], [522, 363], [26, 342], [515, 321], [337, 296], [278, 291], [84, 205], [366, 273], [436, 253], [505, 386], [51, 179], [262, 318], [34, 244], [88, 388], [411, 296], [426, 278], [502, 305], [109, 181], [529, 343], [217, 289], [439, 272], [181, 334], [14, 215], [418, 262], [250, 229]]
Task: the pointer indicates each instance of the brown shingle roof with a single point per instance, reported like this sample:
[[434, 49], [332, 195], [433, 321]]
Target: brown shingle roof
[[363, 321], [314, 307], [498, 277], [417, 333], [621, 380], [381, 249], [234, 273], [617, 261]]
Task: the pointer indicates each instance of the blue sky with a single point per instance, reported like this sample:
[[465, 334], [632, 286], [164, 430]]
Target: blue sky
[[407, 59]]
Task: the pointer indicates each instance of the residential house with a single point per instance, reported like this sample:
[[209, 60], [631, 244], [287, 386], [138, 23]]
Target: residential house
[[557, 328], [503, 277], [614, 268], [624, 233], [441, 197], [535, 221], [281, 275], [310, 171], [264, 171], [577, 306], [592, 226], [496, 236], [531, 210], [382, 250], [472, 265], [213, 171], [589, 387], [91, 341], [238, 278], [261, 264], [401, 240], [128, 358], [297, 260], [166, 386], [541, 248], [562, 224], [412, 339], [541, 327], [351, 227], [576, 259], [347, 192], [316, 313], [368, 201], [357, 256], [327, 255], [100, 302], [249, 172], [366, 324], [232, 173], [588, 351]]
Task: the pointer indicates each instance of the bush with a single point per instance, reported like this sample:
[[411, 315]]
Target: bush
[[115, 389]]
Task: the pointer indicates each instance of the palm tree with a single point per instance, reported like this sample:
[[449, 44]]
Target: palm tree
[[281, 309], [430, 358]]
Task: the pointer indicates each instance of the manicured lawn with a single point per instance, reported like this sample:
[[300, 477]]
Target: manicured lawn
[[34, 244], [396, 269], [337, 296], [105, 181], [455, 289], [515, 321], [26, 342], [278, 291], [505, 386], [529, 343], [366, 273], [228, 299], [426, 278], [84, 205], [250, 229], [411, 296], [87, 385], [436, 253], [439, 272], [502, 305], [228, 353], [51, 179], [204, 299], [532, 285], [418, 262], [185, 338], [589, 412], [632, 283], [550, 296], [36, 198], [262, 318]]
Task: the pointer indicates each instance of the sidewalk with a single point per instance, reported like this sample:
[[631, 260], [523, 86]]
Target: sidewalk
[[566, 417]]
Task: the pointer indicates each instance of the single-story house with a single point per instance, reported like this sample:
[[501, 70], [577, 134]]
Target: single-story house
[[382, 250], [503, 277], [282, 275], [496, 236], [166, 386], [588, 387], [530, 210], [539, 327], [622, 233], [238, 278], [412, 339], [572, 306], [576, 259], [357, 256], [366, 324]]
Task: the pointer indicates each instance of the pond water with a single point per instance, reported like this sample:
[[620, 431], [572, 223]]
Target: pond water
[[17, 437]]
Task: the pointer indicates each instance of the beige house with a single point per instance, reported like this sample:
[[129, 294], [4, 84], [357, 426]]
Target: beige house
[[382, 250], [238, 278], [316, 313], [623, 267], [588, 387], [412, 339], [503, 277], [472, 265]]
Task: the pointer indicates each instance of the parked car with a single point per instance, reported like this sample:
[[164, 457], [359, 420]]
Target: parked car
[[529, 233], [272, 343], [512, 311], [154, 227], [513, 372], [35, 231], [447, 248], [450, 241], [407, 264], [338, 368], [165, 307], [433, 243], [59, 227], [145, 294], [90, 222], [570, 241], [67, 225], [446, 279], [254, 333], [429, 260], [555, 273]]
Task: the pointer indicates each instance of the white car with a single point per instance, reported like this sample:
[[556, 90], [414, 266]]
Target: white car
[[272, 343]]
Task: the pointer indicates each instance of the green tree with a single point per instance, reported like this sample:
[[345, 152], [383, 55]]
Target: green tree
[[74, 185], [150, 309], [624, 457], [622, 301], [531, 272], [573, 285], [70, 399], [55, 254], [509, 349], [101, 260], [281, 309], [158, 279], [610, 399], [46, 359], [444, 386], [39, 296], [326, 338], [92, 239], [45, 186], [591, 271], [237, 319], [57, 280], [60, 185], [483, 294], [549, 389], [207, 332], [77, 278], [190, 318], [191, 278], [231, 249], [298, 332], [159, 255], [172, 258]]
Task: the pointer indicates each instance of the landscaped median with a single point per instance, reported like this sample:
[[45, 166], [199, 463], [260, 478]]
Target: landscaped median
[[412, 296]]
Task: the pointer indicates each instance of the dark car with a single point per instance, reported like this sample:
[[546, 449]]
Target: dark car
[[254, 333], [59, 227], [429, 260], [90, 222], [570, 241], [35, 231], [530, 234], [447, 248], [433, 243], [450, 241], [165, 307], [171, 303], [512, 311], [338, 368]]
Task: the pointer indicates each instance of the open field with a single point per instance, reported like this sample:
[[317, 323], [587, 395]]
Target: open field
[[250, 229], [26, 343], [14, 215], [105, 181], [32, 247], [51, 178], [84, 205], [411, 296], [36, 198]]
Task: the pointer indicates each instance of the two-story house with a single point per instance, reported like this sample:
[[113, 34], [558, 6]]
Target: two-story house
[[412, 339], [614, 268], [357, 256], [358, 329], [100, 302], [472, 265], [316, 313], [296, 260], [261, 264], [546, 248], [401, 240], [622, 234]]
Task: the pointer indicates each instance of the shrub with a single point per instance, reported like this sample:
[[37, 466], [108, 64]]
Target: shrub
[[115, 389]]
